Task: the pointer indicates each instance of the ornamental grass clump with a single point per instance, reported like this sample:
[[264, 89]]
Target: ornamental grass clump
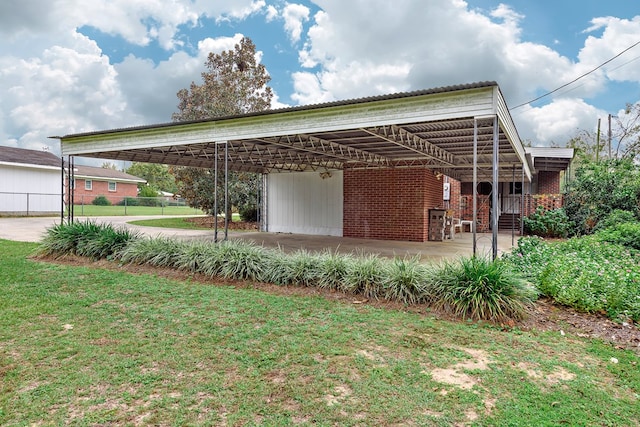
[[159, 252], [332, 269], [480, 289], [86, 239], [298, 268], [242, 260], [198, 257], [405, 280], [365, 276]]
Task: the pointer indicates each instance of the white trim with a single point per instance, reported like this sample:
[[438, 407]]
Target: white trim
[[30, 166]]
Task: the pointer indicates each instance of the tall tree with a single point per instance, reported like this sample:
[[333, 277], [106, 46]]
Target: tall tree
[[234, 83], [157, 176]]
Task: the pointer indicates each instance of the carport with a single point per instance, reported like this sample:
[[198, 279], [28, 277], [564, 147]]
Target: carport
[[464, 132]]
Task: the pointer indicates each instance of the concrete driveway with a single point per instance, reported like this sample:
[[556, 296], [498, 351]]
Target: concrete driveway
[[32, 229]]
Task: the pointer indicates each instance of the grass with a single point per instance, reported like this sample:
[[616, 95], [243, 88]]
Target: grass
[[87, 346], [181, 223], [93, 210], [175, 223]]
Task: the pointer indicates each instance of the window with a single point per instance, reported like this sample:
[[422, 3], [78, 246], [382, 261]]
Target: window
[[73, 184], [112, 186], [88, 184], [515, 188]]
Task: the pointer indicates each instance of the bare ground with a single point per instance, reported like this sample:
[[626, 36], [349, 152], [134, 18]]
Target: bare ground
[[543, 316]]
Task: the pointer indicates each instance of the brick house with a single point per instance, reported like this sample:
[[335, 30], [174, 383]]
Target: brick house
[[91, 182]]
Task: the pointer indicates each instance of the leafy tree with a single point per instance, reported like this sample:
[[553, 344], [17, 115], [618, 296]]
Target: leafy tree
[[197, 186], [599, 188], [234, 83], [586, 146], [158, 177]]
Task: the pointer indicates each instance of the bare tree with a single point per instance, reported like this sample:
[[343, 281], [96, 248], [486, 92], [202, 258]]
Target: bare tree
[[628, 132]]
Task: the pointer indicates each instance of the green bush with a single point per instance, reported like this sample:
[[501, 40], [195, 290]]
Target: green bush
[[547, 223], [617, 216], [332, 269], [626, 234], [128, 201], [159, 251], [587, 273], [248, 213], [598, 189], [594, 276], [101, 201], [365, 276], [478, 288]]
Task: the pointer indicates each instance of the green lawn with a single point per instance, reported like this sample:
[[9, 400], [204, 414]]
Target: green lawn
[[93, 210], [174, 223], [88, 346]]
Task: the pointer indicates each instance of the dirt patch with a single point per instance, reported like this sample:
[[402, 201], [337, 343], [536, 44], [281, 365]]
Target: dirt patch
[[339, 395], [455, 375], [555, 377], [543, 316]]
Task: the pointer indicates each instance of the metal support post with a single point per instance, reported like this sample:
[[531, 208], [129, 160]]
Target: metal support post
[[475, 184], [494, 190], [215, 194]]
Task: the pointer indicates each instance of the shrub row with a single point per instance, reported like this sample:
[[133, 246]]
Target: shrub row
[[474, 288]]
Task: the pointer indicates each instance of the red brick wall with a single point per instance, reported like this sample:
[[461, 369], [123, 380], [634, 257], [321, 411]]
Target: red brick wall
[[548, 182], [101, 188], [454, 203], [390, 204], [547, 201], [483, 212]]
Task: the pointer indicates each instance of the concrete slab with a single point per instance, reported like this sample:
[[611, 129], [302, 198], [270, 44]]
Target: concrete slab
[[32, 229]]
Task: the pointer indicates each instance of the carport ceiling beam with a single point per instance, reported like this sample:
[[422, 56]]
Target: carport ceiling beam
[[413, 142], [319, 146]]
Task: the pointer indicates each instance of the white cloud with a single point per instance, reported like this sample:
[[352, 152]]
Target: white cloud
[[618, 35], [70, 88], [558, 121], [54, 80], [441, 42], [294, 15]]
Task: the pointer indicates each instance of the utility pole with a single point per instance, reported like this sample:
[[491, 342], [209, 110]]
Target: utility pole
[[598, 142], [609, 135]]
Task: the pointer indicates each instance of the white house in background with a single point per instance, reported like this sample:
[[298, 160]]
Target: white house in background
[[30, 182]]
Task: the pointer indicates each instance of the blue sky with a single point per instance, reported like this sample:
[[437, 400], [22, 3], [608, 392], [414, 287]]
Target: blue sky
[[71, 66]]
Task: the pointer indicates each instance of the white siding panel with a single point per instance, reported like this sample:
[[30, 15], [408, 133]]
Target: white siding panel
[[32, 189], [304, 203]]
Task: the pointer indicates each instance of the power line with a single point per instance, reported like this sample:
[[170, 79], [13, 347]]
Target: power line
[[578, 78]]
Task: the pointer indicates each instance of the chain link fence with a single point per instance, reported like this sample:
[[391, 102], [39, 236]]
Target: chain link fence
[[41, 204]]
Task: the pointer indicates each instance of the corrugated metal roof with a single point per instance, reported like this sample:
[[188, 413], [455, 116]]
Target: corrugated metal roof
[[354, 101], [28, 157], [551, 152]]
